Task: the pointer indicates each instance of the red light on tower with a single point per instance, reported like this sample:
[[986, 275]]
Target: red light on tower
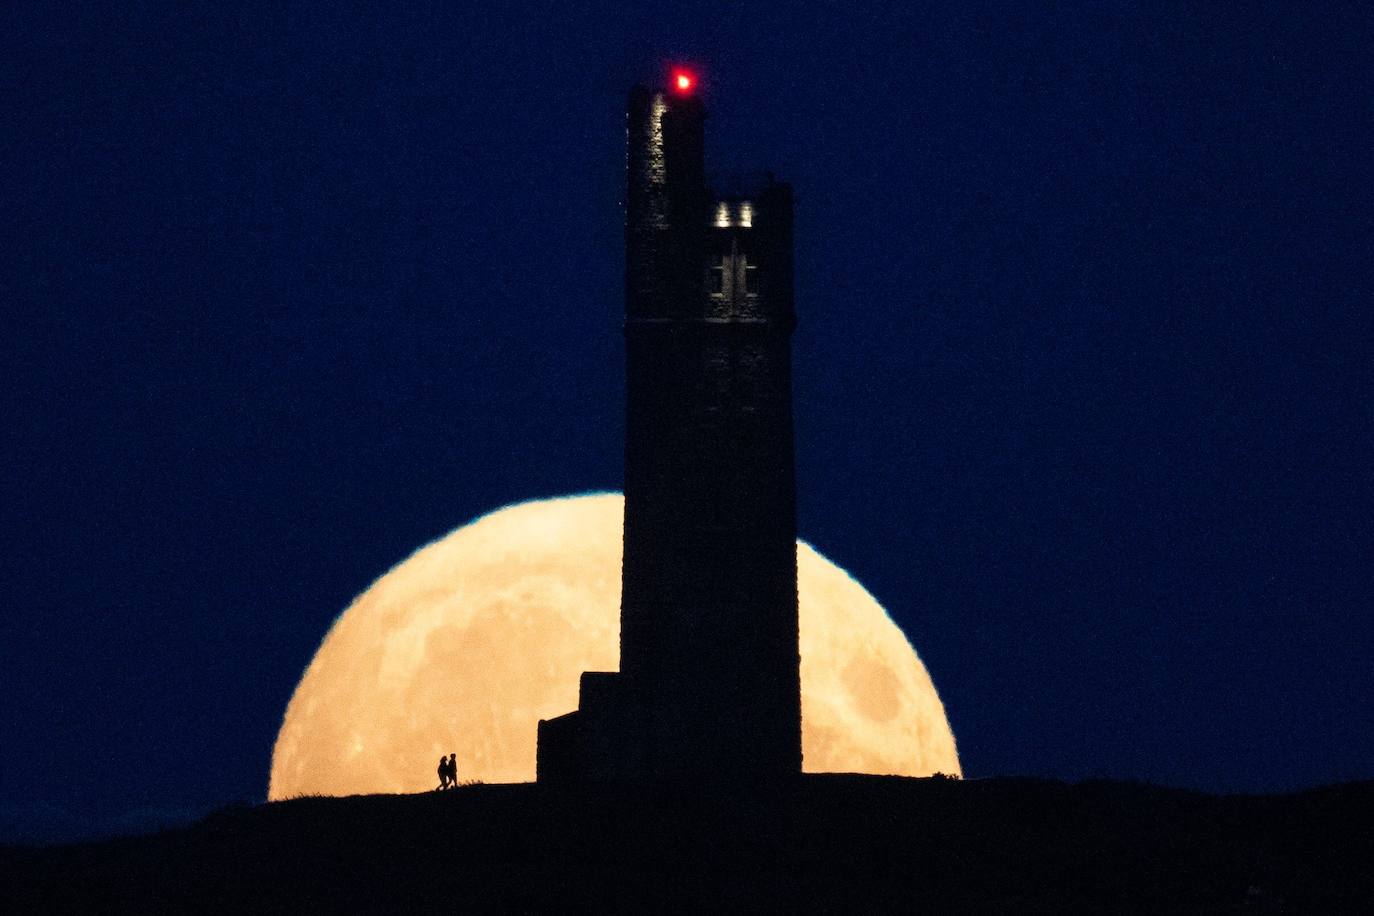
[[683, 81]]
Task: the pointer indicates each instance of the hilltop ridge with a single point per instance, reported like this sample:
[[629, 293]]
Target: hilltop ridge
[[820, 843]]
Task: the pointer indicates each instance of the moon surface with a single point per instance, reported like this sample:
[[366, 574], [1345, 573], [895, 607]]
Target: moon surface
[[467, 644]]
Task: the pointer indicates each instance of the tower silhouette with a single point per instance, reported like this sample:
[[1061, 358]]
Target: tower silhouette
[[709, 683]]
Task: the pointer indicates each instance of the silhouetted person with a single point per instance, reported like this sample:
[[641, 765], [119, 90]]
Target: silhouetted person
[[443, 773], [453, 770]]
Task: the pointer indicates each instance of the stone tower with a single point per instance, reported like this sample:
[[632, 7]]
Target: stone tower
[[709, 681]]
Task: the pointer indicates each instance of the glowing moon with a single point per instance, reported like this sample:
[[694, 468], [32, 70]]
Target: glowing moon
[[466, 644]]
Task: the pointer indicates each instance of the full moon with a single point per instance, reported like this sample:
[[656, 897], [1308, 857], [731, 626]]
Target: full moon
[[467, 644]]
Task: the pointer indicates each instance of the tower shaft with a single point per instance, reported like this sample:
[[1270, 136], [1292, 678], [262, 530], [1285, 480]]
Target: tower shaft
[[709, 679]]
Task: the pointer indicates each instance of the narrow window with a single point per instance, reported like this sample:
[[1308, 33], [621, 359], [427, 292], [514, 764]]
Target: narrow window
[[715, 278]]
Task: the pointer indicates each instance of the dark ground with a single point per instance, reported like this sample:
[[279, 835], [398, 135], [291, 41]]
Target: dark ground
[[827, 843]]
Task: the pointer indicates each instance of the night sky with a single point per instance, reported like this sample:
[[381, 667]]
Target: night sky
[[1083, 371]]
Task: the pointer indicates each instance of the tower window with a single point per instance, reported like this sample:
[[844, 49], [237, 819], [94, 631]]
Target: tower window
[[751, 280], [715, 278], [722, 215], [746, 214]]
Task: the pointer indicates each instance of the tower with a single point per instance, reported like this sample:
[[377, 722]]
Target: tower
[[709, 681]]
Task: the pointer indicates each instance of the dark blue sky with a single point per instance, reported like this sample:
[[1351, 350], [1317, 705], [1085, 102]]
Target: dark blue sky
[[1084, 389]]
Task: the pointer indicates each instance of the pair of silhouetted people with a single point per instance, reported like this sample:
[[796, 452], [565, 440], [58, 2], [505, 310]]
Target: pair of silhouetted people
[[448, 772]]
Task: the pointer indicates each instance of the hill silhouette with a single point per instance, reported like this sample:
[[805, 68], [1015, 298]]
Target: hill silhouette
[[833, 843]]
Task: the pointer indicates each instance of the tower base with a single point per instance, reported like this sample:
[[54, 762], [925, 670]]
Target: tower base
[[602, 740]]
